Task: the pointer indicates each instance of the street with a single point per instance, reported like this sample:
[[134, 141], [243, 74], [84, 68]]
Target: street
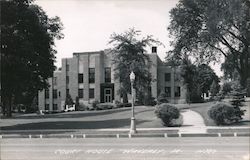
[[205, 148]]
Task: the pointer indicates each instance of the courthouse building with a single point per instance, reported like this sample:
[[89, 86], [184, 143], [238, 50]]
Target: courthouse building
[[90, 76]]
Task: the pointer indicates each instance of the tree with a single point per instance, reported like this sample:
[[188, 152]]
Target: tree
[[27, 49], [129, 55], [188, 73], [208, 30], [238, 94], [214, 88], [198, 79], [206, 77], [227, 88], [69, 100]]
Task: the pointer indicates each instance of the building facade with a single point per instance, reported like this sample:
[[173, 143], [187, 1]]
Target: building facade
[[90, 77]]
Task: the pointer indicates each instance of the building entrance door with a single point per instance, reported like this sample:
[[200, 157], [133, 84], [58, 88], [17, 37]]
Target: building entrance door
[[107, 95]]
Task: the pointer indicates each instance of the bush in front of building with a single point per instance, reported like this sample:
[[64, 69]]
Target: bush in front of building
[[223, 114], [162, 98], [121, 105], [167, 113], [105, 106], [94, 104], [83, 107]]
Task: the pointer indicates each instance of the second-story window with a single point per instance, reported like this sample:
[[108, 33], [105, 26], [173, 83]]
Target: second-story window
[[46, 93], [54, 93], [91, 75], [107, 74], [167, 77], [80, 78]]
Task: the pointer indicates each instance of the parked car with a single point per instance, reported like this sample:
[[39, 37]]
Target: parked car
[[69, 108]]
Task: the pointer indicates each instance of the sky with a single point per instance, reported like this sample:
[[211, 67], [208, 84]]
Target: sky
[[88, 24]]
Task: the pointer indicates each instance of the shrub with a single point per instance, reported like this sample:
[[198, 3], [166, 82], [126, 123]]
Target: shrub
[[152, 101], [223, 114], [94, 104], [103, 106], [120, 105], [167, 113], [162, 98], [83, 107]]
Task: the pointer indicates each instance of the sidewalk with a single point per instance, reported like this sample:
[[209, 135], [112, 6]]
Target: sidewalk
[[192, 123]]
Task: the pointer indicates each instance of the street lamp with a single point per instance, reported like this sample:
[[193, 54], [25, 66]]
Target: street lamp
[[133, 127]]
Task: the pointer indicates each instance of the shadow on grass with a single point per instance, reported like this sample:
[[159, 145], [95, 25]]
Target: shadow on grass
[[77, 114], [114, 123]]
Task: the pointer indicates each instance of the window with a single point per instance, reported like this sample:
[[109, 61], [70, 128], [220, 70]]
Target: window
[[168, 91], [177, 92], [46, 106], [59, 94], [55, 107], [67, 67], [80, 78], [167, 77], [54, 93], [54, 81], [107, 74], [91, 75], [80, 93], [91, 93], [67, 79], [46, 93]]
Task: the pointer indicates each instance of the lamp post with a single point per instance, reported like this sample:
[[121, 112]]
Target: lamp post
[[133, 127]]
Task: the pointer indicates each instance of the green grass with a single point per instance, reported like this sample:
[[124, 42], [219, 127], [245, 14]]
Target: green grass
[[202, 109]]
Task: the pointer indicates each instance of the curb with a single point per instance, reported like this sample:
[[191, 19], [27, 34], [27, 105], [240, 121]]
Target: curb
[[165, 135]]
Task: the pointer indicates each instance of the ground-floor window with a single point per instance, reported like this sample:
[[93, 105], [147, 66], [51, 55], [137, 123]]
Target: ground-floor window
[[55, 107], [168, 91], [80, 93], [46, 106], [177, 91], [91, 93]]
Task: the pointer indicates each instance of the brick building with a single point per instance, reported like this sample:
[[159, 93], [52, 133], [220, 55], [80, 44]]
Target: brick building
[[90, 76]]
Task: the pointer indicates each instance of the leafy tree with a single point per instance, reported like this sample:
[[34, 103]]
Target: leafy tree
[[208, 30], [129, 55], [189, 74], [27, 49], [227, 88], [69, 100], [248, 87], [198, 79], [215, 88], [33, 107], [238, 94], [206, 77]]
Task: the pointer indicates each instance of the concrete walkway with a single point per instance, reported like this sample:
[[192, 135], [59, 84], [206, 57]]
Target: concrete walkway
[[192, 122]]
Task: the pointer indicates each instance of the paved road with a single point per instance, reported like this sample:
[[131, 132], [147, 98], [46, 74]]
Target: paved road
[[210, 148]]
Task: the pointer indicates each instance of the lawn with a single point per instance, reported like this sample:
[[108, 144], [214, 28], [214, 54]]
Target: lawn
[[202, 109], [116, 118]]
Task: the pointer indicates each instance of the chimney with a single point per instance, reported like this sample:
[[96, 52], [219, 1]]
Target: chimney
[[154, 49]]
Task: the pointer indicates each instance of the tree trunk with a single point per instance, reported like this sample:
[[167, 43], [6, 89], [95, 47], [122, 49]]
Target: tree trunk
[[9, 106]]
